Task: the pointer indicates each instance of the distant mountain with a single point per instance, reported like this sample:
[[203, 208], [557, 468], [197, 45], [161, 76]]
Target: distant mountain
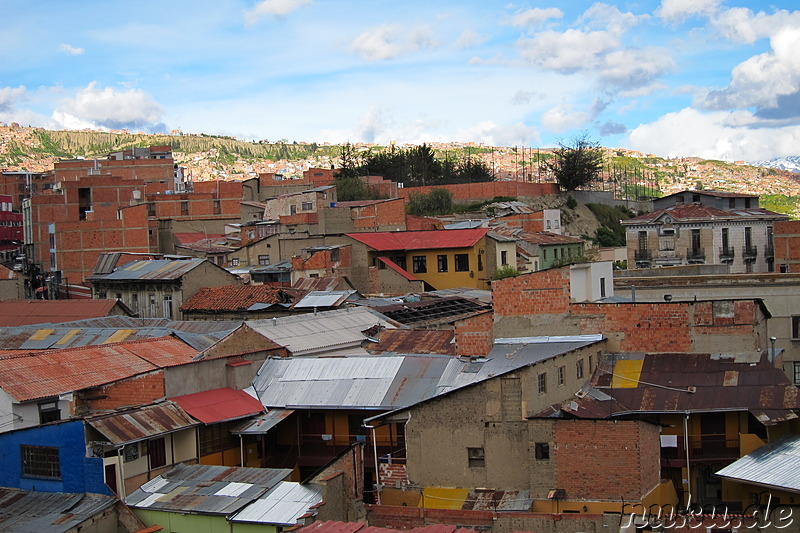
[[790, 163]]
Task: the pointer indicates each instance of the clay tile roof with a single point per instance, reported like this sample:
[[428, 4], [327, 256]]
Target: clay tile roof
[[53, 372], [233, 298]]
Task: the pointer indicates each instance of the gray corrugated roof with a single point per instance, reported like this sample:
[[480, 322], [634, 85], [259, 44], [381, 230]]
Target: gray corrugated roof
[[23, 511], [216, 490], [150, 269], [773, 465], [393, 382], [283, 505], [260, 424], [320, 332], [323, 299]]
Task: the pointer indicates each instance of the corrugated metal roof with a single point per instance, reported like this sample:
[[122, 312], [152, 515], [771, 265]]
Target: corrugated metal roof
[[389, 382], [420, 240], [321, 299], [53, 372], [320, 332], [24, 511], [142, 423], [362, 527], [26, 312], [695, 212], [206, 489], [775, 465], [259, 425], [151, 269], [219, 405], [416, 341], [284, 504]]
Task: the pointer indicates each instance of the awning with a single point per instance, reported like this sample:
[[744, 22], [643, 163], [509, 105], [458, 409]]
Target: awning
[[144, 423], [260, 424]]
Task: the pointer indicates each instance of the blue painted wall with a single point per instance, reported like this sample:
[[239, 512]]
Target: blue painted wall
[[78, 472]]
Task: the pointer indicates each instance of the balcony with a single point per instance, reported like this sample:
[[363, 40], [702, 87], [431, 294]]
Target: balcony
[[749, 252], [702, 448], [726, 253], [642, 255], [695, 255], [769, 251]]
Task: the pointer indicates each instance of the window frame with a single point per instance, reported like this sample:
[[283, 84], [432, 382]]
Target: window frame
[[541, 451], [795, 327], [441, 263], [541, 383], [38, 461], [458, 262], [476, 457], [263, 259], [579, 369], [419, 264]]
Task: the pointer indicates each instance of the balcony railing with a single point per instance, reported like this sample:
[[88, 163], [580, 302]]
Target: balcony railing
[[769, 251], [701, 448], [695, 254], [642, 255], [726, 253], [749, 251]]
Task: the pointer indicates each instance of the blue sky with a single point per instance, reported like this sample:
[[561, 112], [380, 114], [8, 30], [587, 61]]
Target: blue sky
[[709, 78]]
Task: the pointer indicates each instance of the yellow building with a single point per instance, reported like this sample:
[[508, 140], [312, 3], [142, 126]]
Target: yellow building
[[442, 259]]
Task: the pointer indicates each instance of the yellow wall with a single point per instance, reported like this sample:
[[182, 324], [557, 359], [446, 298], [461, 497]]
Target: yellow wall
[[451, 279]]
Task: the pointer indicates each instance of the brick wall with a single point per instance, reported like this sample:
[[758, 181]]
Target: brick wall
[[486, 191], [474, 335], [786, 237], [545, 292], [138, 390]]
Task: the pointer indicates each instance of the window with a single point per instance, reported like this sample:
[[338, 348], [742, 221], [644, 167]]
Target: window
[[590, 363], [560, 375], [695, 198], [420, 264], [157, 452], [167, 305], [263, 260], [49, 412], [731, 202], [579, 369], [442, 263], [542, 382], [40, 461], [462, 262], [217, 207], [335, 256], [544, 254], [555, 223], [476, 457], [747, 203], [796, 327], [503, 257], [542, 451], [547, 224], [184, 208], [292, 209], [135, 303], [307, 206], [602, 287], [152, 303], [235, 262], [642, 240], [480, 261], [796, 373]]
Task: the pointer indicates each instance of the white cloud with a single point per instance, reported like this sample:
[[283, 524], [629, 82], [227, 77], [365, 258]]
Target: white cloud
[[765, 80], [273, 8], [536, 16], [9, 96], [109, 108], [678, 10], [389, 41], [563, 117], [567, 52], [491, 134], [635, 67], [714, 135], [522, 97], [741, 25], [609, 17], [469, 38], [71, 50]]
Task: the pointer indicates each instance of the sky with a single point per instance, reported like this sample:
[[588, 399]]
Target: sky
[[708, 78]]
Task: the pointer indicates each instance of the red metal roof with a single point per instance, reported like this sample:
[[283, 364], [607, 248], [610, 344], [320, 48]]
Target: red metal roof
[[26, 312], [53, 372], [420, 240], [219, 405], [394, 266], [234, 298]]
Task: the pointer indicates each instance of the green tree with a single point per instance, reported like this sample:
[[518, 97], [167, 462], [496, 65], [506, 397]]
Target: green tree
[[577, 164], [505, 271], [436, 202]]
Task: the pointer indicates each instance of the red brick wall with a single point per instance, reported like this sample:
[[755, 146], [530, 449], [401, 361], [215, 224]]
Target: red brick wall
[[487, 190], [137, 390], [545, 292], [786, 236], [376, 215], [474, 335], [415, 223], [531, 222], [606, 459]]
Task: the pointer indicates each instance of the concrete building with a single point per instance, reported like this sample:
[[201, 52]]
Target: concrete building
[[704, 227]]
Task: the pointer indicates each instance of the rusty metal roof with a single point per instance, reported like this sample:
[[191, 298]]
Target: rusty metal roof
[[142, 423], [361, 527], [206, 489], [420, 240], [25, 511], [33, 375], [681, 382], [421, 341], [260, 424], [25, 312], [150, 269], [431, 312]]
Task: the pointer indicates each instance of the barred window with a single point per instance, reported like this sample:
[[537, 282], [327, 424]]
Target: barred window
[[40, 461]]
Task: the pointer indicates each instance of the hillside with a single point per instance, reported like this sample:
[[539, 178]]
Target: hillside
[[210, 157]]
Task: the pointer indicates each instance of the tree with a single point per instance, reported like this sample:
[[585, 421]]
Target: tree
[[578, 164], [437, 202]]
